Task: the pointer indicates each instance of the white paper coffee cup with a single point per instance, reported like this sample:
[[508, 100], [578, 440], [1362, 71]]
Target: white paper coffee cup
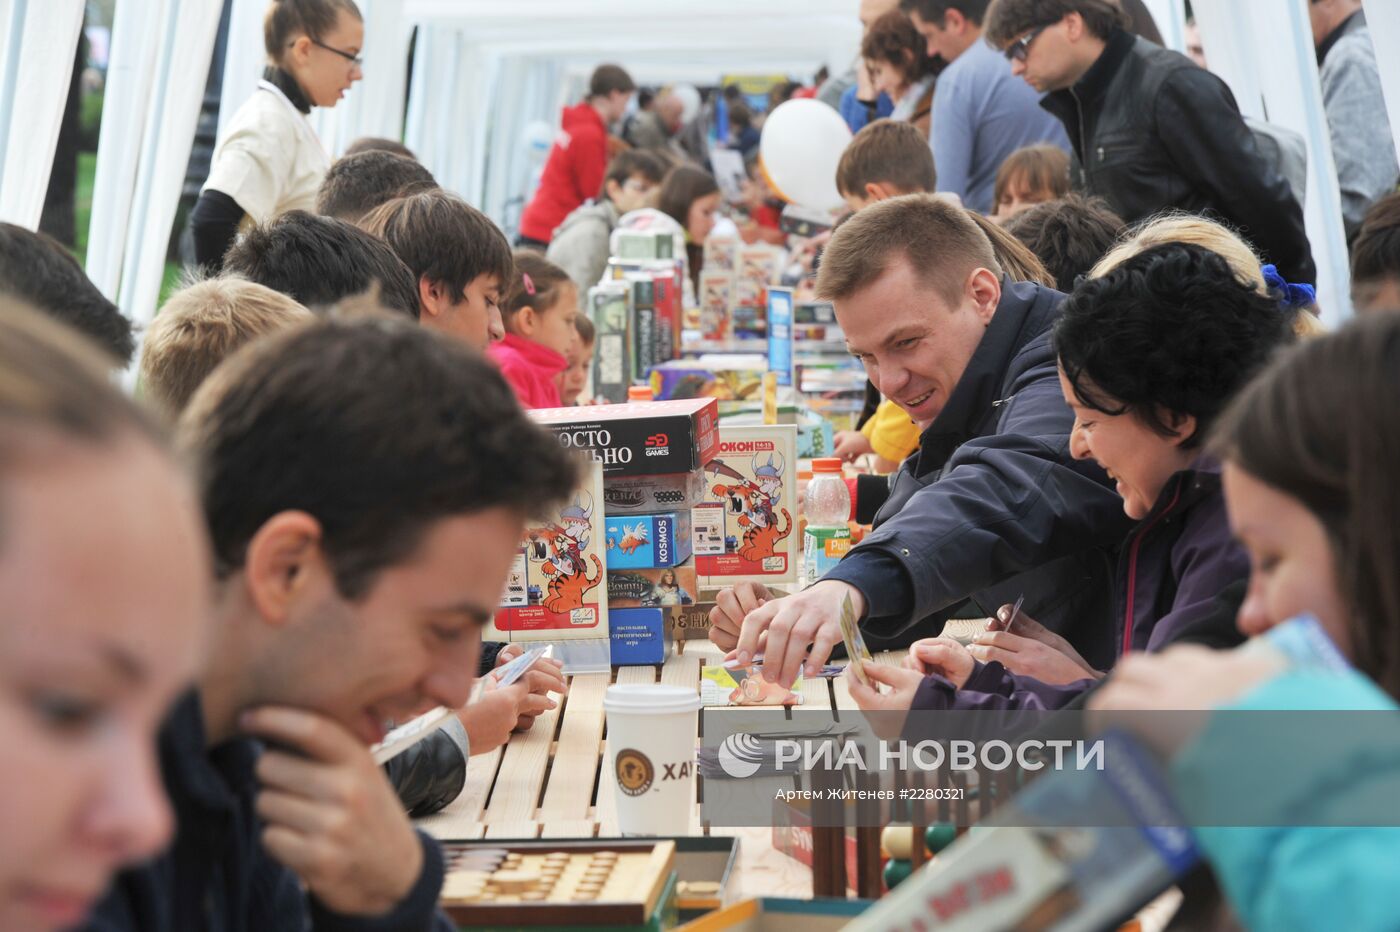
[[651, 756]]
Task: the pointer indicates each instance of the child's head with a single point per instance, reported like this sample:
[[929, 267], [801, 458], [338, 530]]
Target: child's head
[[318, 42], [895, 53], [580, 356], [1029, 176], [199, 327], [631, 178], [459, 258], [1375, 258], [690, 196], [885, 159], [357, 184], [542, 303]]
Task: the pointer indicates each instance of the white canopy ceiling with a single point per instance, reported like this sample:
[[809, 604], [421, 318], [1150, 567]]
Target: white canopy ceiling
[[489, 79]]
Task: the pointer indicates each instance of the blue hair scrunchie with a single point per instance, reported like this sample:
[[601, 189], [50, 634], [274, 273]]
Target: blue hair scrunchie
[[1291, 296]]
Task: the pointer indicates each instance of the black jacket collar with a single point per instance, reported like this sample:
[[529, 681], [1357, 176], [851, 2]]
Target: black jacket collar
[[284, 82], [1095, 82], [207, 778], [1025, 311], [1353, 22]]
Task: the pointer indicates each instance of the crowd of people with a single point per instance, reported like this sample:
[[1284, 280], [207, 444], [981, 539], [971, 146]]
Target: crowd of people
[[1080, 287]]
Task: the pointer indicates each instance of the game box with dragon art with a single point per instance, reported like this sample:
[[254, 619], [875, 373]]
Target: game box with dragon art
[[557, 587], [746, 529]]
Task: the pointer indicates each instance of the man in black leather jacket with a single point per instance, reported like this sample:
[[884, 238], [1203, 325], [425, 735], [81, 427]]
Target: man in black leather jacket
[[1151, 131]]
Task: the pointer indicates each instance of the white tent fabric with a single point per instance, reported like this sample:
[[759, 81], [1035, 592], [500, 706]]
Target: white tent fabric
[[1264, 50], [38, 42], [148, 128], [1170, 17], [1383, 18]]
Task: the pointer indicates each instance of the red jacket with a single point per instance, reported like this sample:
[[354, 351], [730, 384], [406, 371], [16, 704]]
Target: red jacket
[[573, 174], [531, 369]]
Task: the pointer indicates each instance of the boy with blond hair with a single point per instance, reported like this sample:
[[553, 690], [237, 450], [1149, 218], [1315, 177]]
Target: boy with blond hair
[[200, 326]]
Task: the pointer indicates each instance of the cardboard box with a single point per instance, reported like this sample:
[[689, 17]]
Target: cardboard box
[[721, 253], [691, 622], [675, 585], [639, 439], [668, 289], [628, 244], [612, 355], [647, 541], [751, 496], [640, 636], [645, 336], [555, 588], [716, 301], [624, 495]]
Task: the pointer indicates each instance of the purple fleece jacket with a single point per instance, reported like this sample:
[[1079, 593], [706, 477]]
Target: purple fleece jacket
[[1174, 564]]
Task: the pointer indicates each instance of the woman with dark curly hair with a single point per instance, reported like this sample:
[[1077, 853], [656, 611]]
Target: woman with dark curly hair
[[900, 67], [1150, 355]]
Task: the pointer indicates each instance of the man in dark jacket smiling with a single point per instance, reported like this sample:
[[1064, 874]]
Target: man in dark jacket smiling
[[1151, 131], [365, 484], [992, 504]]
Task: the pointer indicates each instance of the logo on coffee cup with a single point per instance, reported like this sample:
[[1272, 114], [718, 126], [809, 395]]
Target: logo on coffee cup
[[634, 771]]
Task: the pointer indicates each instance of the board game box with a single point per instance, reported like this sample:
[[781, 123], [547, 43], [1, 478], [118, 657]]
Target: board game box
[[612, 353], [642, 438], [745, 528], [674, 585], [555, 589], [646, 541], [624, 495]]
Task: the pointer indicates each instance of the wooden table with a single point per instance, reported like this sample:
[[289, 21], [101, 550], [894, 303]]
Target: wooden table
[[545, 782]]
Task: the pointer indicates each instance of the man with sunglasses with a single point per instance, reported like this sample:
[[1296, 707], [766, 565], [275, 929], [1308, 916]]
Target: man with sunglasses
[[1150, 130], [981, 113]]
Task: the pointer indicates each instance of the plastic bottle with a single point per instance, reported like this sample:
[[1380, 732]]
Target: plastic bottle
[[828, 536]]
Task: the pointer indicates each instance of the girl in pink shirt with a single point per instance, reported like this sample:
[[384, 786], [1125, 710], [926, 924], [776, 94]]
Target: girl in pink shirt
[[539, 316]]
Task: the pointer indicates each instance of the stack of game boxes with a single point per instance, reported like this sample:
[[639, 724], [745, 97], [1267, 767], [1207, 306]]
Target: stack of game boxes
[[734, 284], [638, 311], [673, 505], [650, 458]]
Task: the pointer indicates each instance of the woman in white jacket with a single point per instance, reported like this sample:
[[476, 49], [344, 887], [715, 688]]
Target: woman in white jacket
[[270, 160]]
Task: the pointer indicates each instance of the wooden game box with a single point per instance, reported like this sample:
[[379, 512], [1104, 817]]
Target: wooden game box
[[635, 883]]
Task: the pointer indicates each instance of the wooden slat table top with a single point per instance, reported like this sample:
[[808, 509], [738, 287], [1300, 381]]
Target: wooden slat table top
[[546, 782]]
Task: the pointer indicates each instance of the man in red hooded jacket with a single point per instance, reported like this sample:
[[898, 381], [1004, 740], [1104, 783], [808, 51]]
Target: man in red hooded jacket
[[574, 172]]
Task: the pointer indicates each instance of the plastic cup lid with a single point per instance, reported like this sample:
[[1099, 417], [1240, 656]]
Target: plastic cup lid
[[650, 699]]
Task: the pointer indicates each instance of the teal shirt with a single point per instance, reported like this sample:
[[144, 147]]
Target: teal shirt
[[1284, 877]]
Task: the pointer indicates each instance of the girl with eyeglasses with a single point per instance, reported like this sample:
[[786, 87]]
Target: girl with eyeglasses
[[270, 160]]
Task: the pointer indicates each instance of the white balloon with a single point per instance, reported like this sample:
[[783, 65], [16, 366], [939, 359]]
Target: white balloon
[[538, 136], [801, 146], [690, 97]]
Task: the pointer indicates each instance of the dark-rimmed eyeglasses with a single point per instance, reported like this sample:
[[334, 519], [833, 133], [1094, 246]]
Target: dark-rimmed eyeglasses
[[355, 60], [1018, 50]]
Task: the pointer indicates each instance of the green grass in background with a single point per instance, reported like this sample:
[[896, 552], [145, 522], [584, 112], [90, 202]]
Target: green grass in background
[[87, 171]]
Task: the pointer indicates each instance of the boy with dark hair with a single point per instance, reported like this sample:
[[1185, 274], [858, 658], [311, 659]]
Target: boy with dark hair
[[320, 261], [1068, 235], [349, 596], [580, 245], [1375, 258], [460, 260], [579, 159], [1151, 131], [378, 144], [35, 268], [983, 114], [357, 184], [885, 159]]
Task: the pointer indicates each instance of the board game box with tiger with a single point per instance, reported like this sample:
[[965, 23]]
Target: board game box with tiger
[[745, 529], [557, 586]]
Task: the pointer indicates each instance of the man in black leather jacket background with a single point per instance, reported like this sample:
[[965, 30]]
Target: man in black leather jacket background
[[1151, 131]]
